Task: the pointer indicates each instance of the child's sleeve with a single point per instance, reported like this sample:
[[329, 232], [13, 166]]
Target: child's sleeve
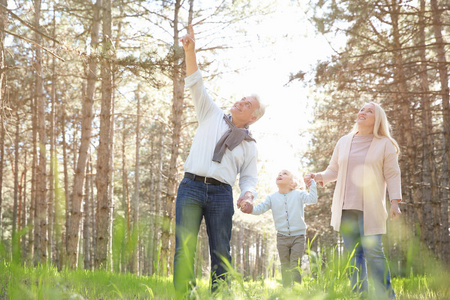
[[262, 207], [311, 198]]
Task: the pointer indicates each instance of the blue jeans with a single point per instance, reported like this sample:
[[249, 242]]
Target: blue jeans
[[365, 249], [195, 201]]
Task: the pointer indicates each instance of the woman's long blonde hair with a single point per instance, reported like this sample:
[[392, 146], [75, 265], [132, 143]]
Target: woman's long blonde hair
[[381, 128]]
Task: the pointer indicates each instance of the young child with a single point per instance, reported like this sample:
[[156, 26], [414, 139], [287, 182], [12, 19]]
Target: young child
[[288, 215]]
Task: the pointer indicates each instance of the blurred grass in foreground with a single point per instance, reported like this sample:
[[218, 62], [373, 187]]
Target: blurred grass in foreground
[[421, 276], [45, 282]]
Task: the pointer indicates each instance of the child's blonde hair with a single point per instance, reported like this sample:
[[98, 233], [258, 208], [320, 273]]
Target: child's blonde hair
[[299, 184]]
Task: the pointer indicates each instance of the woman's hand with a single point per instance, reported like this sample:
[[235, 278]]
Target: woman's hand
[[394, 212], [317, 177]]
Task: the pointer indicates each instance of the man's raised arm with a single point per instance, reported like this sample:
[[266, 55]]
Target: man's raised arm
[[188, 42]]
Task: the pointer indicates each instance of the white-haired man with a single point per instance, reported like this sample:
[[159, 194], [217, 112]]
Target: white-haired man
[[222, 148]]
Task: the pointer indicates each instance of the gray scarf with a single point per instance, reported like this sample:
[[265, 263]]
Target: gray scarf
[[231, 138]]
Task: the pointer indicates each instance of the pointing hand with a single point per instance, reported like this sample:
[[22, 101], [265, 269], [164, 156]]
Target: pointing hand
[[188, 40]]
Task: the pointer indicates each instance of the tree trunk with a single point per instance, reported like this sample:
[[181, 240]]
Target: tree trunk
[[424, 212], [445, 92], [256, 270], [264, 256], [240, 250], [92, 223], [246, 244], [104, 168], [2, 159], [32, 215], [111, 163], [429, 190], [24, 208], [66, 181], [136, 226], [158, 202], [152, 232], [86, 219], [126, 261], [41, 174], [3, 25], [51, 178], [86, 131], [173, 170], [16, 173], [178, 74]]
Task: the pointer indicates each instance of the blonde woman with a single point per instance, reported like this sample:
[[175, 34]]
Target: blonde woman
[[363, 164]]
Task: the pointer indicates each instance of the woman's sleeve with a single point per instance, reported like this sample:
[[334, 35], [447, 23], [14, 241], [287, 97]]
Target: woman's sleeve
[[391, 172], [331, 172]]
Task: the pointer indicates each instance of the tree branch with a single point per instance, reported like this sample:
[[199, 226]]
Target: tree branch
[[28, 24], [33, 42]]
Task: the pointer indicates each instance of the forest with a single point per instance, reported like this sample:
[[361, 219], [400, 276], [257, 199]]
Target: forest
[[96, 126]]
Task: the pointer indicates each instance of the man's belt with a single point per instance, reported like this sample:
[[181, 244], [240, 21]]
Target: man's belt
[[207, 180]]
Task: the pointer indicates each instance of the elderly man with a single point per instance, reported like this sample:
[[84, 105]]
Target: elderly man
[[222, 148]]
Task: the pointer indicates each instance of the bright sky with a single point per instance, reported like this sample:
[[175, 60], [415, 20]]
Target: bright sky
[[267, 68], [280, 44]]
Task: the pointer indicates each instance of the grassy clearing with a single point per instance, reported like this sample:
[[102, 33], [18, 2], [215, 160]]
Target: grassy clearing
[[326, 279], [45, 282]]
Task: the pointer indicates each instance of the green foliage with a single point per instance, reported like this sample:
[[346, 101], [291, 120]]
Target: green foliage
[[125, 241], [45, 282], [327, 279]]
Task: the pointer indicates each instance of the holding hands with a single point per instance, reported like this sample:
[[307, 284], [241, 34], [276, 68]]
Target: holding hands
[[317, 177], [245, 203], [394, 211]]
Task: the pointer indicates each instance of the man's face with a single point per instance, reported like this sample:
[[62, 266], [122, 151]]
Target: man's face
[[242, 111]]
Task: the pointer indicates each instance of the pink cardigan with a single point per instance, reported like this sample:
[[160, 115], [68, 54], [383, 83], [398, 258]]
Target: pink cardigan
[[380, 169]]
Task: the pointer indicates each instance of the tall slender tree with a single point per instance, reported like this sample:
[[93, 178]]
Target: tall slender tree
[[16, 171], [177, 76], [445, 94], [86, 132], [105, 149], [136, 211], [41, 234], [3, 24], [429, 190]]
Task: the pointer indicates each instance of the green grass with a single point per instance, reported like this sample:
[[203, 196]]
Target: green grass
[[327, 278], [45, 282]]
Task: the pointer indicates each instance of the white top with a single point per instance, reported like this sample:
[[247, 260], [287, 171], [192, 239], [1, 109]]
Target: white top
[[287, 209], [242, 160]]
